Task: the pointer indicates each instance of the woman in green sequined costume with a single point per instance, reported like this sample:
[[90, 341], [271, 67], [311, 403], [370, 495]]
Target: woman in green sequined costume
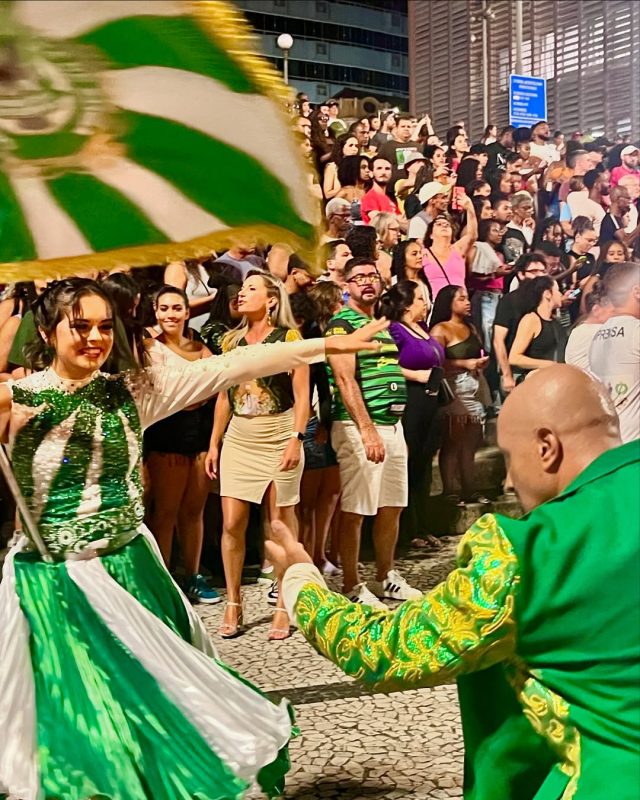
[[108, 683]]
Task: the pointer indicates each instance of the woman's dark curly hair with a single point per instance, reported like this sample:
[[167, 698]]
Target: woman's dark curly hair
[[533, 292], [349, 169], [362, 242], [442, 305], [227, 287], [63, 299], [399, 263], [397, 300], [123, 292], [336, 153]]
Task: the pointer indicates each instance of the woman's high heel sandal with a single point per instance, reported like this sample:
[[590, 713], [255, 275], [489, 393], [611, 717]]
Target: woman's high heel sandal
[[229, 630], [279, 634]]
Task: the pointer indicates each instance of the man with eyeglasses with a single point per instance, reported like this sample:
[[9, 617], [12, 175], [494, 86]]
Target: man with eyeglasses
[[509, 313], [369, 396]]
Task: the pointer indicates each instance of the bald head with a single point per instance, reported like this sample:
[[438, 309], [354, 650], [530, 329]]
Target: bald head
[[551, 428]]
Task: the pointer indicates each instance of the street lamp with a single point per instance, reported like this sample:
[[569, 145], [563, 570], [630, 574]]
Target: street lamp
[[285, 43], [486, 16]]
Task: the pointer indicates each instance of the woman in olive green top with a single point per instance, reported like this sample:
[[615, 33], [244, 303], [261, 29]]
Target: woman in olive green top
[[262, 454]]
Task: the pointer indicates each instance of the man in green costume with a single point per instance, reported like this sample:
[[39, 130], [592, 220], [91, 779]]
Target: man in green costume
[[540, 621]]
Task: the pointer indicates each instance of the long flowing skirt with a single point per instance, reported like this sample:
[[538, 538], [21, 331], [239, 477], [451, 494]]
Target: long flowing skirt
[[109, 687]]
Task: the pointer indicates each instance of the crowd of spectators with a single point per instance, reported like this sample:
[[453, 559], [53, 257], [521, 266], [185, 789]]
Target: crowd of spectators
[[491, 259]]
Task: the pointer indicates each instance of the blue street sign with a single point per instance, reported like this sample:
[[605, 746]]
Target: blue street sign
[[527, 100]]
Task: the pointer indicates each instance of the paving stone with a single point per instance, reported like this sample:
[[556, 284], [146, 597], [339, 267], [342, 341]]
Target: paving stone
[[354, 744]]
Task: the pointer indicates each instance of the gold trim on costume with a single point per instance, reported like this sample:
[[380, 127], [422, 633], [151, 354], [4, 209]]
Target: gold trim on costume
[[548, 714], [145, 255], [225, 24]]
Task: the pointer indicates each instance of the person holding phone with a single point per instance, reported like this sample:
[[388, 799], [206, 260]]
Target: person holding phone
[[465, 362], [444, 259]]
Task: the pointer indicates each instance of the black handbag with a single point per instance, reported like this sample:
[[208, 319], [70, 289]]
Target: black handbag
[[445, 394]]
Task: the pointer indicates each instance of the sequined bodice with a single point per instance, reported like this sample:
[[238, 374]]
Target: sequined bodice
[[76, 455]]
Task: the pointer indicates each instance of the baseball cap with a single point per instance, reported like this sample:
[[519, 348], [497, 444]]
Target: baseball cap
[[628, 150], [431, 189], [413, 157], [338, 127]]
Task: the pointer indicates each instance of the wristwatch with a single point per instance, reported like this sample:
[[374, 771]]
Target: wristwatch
[[297, 435]]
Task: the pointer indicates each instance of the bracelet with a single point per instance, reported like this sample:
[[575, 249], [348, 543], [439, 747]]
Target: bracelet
[[297, 435]]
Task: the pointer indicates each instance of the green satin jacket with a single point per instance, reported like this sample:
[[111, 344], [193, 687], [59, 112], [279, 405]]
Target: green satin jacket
[[540, 626]]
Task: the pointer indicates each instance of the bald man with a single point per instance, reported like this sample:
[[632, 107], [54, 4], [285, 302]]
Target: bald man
[[539, 623], [614, 355]]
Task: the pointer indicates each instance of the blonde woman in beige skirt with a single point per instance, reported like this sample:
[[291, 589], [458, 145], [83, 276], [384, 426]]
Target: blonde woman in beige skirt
[[262, 457]]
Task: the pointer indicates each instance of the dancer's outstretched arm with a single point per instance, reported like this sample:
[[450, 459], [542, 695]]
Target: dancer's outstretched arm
[[163, 390], [463, 625]]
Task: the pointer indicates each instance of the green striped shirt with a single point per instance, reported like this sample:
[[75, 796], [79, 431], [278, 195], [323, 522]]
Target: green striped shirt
[[378, 374]]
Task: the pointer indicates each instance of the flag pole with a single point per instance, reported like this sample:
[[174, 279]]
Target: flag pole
[[27, 518]]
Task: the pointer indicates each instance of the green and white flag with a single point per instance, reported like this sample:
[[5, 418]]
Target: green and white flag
[[135, 131]]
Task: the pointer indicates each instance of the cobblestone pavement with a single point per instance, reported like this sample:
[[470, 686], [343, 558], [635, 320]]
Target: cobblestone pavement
[[354, 745]]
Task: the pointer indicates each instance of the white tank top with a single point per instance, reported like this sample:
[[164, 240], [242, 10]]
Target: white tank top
[[197, 287]]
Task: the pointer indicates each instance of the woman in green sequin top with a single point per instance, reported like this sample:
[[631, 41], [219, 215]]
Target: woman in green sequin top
[[105, 670]]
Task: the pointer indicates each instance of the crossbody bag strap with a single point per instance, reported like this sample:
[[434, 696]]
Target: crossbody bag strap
[[437, 260]]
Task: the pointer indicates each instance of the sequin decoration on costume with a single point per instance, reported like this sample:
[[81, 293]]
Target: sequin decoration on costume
[[76, 458], [463, 625], [548, 714]]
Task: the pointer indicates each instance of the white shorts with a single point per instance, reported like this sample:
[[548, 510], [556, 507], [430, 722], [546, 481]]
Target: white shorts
[[366, 486]]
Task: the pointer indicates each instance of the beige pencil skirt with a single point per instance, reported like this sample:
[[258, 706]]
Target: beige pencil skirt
[[250, 459]]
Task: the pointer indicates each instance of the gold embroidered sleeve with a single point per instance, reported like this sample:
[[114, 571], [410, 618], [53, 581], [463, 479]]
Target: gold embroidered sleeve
[[464, 624]]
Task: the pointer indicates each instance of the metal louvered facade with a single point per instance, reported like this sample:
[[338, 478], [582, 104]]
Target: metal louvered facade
[[589, 50]]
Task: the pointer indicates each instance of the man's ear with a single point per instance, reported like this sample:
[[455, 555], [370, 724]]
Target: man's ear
[[549, 450]]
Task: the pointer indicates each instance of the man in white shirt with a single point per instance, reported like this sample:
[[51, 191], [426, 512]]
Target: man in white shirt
[[585, 202], [542, 144], [523, 215], [434, 199], [614, 356], [599, 309]]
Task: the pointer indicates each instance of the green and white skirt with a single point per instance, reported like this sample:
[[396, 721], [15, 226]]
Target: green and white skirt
[[110, 688]]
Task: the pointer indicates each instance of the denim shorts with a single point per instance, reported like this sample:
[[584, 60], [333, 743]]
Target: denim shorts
[[317, 455]]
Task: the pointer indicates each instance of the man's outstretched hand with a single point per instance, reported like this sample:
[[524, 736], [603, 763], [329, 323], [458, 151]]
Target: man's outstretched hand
[[283, 549]]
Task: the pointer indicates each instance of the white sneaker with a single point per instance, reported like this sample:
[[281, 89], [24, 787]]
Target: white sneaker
[[266, 576], [272, 594], [395, 587], [360, 594]]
